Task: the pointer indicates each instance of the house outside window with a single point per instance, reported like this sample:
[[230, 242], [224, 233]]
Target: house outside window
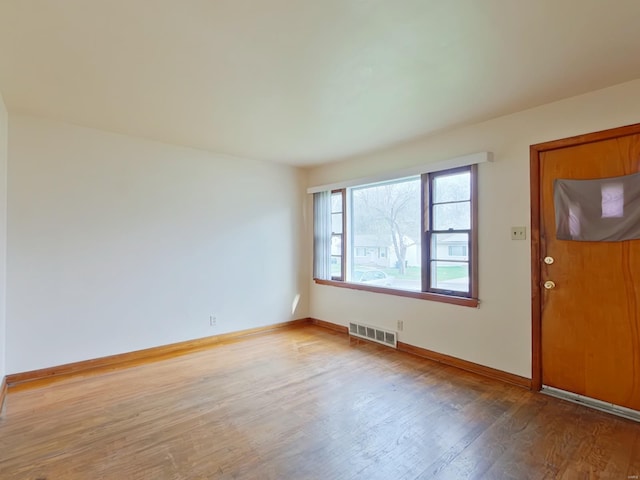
[[457, 250]]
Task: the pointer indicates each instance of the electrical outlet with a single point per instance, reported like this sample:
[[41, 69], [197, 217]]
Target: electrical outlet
[[400, 325], [518, 233], [212, 320]]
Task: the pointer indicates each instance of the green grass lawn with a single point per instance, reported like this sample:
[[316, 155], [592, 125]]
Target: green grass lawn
[[443, 273], [413, 273]]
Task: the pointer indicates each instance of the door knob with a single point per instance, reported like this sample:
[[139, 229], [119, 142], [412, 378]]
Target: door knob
[[549, 284], [548, 260]]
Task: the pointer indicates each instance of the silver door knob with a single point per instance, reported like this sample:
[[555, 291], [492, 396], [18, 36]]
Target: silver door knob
[[548, 260], [549, 284]]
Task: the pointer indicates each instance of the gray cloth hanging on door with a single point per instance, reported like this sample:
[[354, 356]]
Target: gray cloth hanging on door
[[599, 210]]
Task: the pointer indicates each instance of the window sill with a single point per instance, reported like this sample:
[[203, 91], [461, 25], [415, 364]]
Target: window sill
[[435, 297]]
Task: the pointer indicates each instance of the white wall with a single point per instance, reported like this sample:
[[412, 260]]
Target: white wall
[[117, 243], [498, 333], [3, 234]]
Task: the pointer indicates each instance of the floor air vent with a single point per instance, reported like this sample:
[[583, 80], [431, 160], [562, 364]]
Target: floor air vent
[[375, 334]]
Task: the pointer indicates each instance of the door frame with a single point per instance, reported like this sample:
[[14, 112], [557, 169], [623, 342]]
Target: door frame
[[535, 164]]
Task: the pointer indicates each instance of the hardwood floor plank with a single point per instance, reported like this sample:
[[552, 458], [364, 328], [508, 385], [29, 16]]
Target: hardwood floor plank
[[304, 403], [633, 469]]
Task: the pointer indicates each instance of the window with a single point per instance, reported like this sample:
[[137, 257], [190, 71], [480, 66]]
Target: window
[[449, 205], [457, 250], [337, 231], [387, 216], [413, 236]]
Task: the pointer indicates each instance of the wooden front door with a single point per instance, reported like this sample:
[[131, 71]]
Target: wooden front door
[[586, 328]]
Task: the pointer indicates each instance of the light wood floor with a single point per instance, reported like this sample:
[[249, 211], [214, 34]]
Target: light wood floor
[[305, 403]]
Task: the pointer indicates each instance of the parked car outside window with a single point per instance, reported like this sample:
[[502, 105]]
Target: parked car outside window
[[371, 277]]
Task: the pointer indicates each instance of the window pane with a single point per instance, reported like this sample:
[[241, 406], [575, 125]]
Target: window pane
[[336, 266], [336, 245], [451, 188], [450, 246], [336, 222], [336, 202], [457, 250], [455, 216], [450, 276], [385, 239]]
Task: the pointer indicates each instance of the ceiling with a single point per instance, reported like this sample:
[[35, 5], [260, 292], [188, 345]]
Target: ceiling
[[305, 81]]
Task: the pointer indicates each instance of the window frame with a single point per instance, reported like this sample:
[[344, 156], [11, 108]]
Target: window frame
[[343, 235], [428, 180], [467, 299]]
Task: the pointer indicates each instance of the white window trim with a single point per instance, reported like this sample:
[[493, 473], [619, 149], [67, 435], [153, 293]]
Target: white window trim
[[462, 161]]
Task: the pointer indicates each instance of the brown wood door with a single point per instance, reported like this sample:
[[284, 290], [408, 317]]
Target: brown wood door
[[586, 329]]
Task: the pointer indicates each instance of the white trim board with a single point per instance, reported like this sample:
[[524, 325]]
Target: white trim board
[[462, 161]]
